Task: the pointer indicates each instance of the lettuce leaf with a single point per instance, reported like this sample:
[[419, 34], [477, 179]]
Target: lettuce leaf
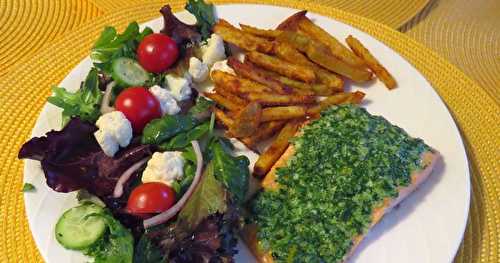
[[180, 32], [231, 171], [147, 252], [111, 45], [116, 246], [83, 103], [72, 159], [182, 140], [208, 198], [205, 16]]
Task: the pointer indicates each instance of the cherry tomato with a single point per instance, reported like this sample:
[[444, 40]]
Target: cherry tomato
[[139, 106], [150, 198], [157, 52]]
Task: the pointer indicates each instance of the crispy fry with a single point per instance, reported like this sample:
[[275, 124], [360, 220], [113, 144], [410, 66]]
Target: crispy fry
[[356, 97], [266, 33], [305, 88], [379, 70], [273, 153], [228, 94], [237, 84], [338, 66], [249, 71], [297, 40], [291, 23], [283, 113], [265, 131], [282, 67], [278, 99], [223, 101], [321, 55], [223, 118], [337, 49], [241, 39], [351, 97], [247, 121], [330, 79], [289, 53], [294, 86]]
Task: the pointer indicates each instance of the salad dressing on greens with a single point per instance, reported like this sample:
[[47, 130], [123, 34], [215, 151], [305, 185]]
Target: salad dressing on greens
[[346, 163]]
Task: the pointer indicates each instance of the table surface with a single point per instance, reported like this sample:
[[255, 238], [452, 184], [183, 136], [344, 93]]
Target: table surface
[[466, 33]]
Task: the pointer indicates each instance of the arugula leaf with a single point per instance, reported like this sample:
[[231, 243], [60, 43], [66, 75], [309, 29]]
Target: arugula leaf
[[147, 252], [83, 103], [182, 140], [205, 16], [27, 187], [231, 171], [111, 45], [117, 245], [208, 198]]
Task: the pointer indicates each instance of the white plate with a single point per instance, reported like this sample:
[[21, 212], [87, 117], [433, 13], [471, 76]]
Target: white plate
[[427, 227]]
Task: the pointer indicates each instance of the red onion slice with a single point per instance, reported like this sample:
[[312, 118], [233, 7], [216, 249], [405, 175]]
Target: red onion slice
[[125, 176], [105, 108], [165, 216]]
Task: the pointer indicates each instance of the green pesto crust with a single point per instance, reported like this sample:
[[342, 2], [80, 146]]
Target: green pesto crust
[[346, 163]]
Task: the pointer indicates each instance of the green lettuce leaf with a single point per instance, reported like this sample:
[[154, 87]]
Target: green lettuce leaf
[[205, 16], [83, 103], [116, 246], [111, 45], [147, 252], [159, 130], [182, 140], [208, 198], [202, 106], [231, 171], [27, 187]]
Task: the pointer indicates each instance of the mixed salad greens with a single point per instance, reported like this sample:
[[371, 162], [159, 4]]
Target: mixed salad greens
[[188, 209]]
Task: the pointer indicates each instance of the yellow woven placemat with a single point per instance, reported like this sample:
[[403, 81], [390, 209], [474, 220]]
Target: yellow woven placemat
[[465, 32], [24, 90], [27, 25], [393, 13]]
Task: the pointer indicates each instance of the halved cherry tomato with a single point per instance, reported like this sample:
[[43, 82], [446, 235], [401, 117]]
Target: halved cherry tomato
[[157, 52], [151, 198], [139, 106]]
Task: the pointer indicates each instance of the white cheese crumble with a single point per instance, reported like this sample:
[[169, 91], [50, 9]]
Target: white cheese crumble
[[179, 87], [222, 66], [164, 167], [198, 70], [214, 50], [168, 104], [114, 131]]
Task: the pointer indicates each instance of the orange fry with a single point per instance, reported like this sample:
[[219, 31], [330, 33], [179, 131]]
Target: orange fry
[[240, 38], [379, 70], [282, 67]]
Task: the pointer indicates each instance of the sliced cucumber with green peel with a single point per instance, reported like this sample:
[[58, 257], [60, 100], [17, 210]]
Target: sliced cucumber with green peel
[[77, 230], [128, 72]]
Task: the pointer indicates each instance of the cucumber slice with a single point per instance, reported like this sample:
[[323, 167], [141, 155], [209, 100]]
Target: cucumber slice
[[128, 72], [76, 230]]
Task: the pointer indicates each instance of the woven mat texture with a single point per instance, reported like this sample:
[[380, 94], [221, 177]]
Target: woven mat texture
[[28, 25], [465, 32]]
